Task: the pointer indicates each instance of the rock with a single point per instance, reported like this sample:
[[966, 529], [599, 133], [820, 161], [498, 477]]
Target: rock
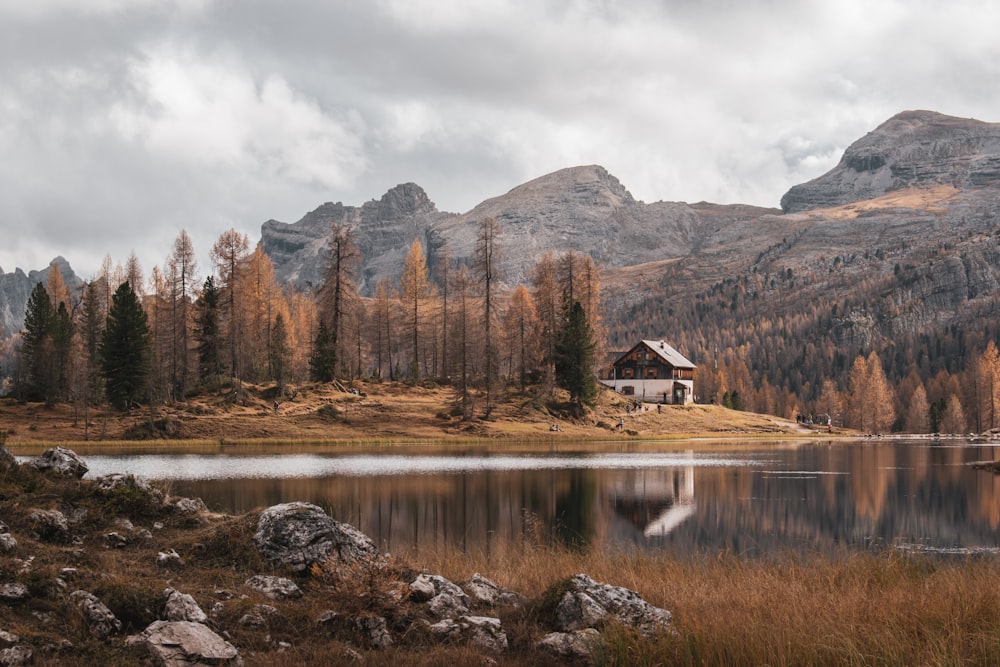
[[258, 616], [168, 558], [182, 607], [7, 460], [13, 592], [180, 643], [485, 592], [115, 540], [60, 461], [8, 638], [51, 525], [300, 534], [99, 618], [276, 588], [480, 632], [577, 647], [374, 631], [444, 598], [587, 603], [16, 655], [7, 542], [187, 505], [136, 492]]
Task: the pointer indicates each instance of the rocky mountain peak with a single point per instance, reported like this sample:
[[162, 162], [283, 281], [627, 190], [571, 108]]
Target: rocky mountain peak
[[911, 149], [403, 200]]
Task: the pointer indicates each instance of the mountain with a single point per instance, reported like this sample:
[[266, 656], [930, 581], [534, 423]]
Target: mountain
[[15, 288], [581, 208], [896, 250], [911, 149]]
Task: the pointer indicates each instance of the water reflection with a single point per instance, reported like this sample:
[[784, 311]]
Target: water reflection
[[824, 498]]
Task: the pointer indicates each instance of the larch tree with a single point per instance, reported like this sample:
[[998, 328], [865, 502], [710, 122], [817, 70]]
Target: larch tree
[[338, 294], [182, 267], [545, 292], [986, 387], [124, 349], [134, 275], [380, 323], [953, 420], [830, 401], [521, 324], [462, 340], [486, 266], [227, 254], [443, 274], [414, 290], [90, 325], [55, 285], [917, 416]]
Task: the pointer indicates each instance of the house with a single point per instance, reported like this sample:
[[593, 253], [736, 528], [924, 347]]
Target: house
[[653, 372]]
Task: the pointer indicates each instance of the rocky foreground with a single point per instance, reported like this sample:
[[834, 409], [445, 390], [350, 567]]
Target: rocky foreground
[[116, 570]]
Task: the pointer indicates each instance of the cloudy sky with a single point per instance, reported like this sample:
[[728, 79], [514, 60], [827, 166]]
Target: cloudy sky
[[124, 121]]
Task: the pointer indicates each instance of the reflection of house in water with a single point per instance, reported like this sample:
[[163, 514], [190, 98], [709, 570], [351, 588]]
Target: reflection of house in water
[[655, 501]]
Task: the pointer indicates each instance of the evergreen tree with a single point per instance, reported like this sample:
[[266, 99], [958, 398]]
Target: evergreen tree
[[323, 361], [124, 349], [279, 351], [575, 358], [37, 345], [207, 332], [61, 331]]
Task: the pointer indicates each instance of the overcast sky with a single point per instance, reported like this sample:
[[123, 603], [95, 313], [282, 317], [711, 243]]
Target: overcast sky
[[124, 121]]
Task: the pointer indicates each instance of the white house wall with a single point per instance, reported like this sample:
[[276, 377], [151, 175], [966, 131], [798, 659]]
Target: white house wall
[[651, 391]]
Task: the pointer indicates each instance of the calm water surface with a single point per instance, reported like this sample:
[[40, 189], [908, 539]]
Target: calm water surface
[[749, 499]]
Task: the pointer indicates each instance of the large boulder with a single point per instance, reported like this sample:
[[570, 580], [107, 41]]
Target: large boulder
[[101, 620], [300, 534], [60, 461], [183, 643], [13, 592], [182, 607], [585, 603]]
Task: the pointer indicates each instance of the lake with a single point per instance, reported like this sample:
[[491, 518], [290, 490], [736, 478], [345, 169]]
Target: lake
[[751, 499]]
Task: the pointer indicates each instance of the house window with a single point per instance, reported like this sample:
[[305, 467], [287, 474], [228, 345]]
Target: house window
[[628, 372], [628, 390], [650, 371]]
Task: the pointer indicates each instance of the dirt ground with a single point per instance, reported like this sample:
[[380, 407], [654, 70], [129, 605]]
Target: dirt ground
[[382, 412]]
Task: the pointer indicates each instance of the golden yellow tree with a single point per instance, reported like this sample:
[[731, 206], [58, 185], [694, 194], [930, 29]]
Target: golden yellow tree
[[414, 291], [917, 415], [521, 325]]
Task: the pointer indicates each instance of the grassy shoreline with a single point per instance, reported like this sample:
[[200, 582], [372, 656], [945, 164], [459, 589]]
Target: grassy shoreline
[[872, 608]]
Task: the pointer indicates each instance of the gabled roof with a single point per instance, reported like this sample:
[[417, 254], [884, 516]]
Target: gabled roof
[[665, 352], [673, 357]]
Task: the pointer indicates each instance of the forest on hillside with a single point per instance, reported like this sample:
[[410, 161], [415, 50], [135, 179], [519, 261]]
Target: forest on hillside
[[790, 342], [128, 340], [763, 340]]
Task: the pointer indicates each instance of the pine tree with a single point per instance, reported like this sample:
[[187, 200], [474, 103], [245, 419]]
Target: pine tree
[[575, 358], [124, 349], [207, 332], [322, 363], [36, 347], [279, 351]]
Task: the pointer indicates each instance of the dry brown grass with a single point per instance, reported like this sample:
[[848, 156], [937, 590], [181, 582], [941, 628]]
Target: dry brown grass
[[389, 412], [863, 609]]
